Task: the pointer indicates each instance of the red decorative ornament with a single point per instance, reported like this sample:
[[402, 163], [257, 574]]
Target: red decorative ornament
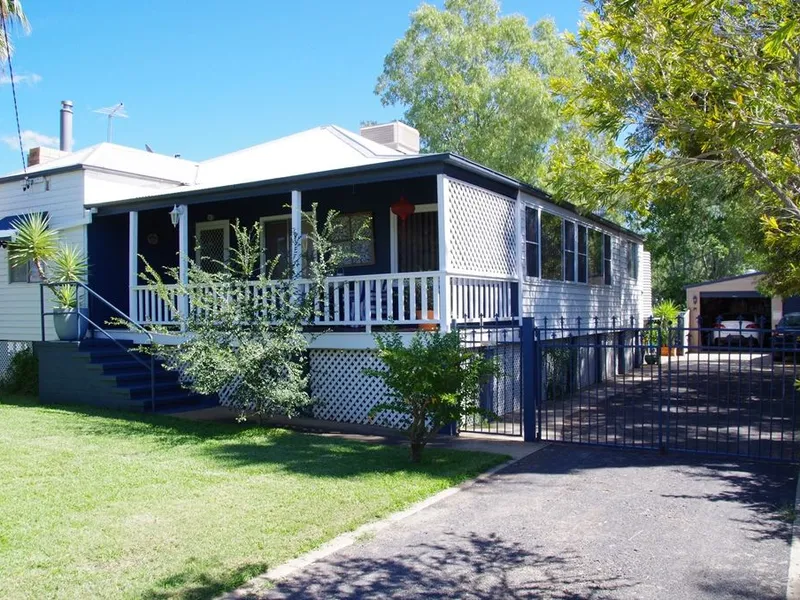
[[403, 208]]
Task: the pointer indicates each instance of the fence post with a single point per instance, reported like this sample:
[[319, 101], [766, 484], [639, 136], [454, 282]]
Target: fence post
[[531, 384]]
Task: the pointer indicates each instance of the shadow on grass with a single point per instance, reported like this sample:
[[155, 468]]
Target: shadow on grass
[[250, 445], [456, 566], [190, 584]]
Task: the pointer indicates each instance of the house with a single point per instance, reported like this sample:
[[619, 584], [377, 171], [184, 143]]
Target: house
[[451, 243]]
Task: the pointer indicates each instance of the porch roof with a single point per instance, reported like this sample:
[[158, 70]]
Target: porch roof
[[404, 167]]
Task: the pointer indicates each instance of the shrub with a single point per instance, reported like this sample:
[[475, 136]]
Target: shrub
[[433, 382], [22, 376]]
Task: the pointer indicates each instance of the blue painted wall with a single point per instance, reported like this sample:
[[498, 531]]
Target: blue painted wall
[[108, 264]]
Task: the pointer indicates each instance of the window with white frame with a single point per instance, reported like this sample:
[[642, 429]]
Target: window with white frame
[[633, 260], [596, 257], [569, 251], [583, 262], [552, 247], [24, 273], [355, 235], [531, 242]]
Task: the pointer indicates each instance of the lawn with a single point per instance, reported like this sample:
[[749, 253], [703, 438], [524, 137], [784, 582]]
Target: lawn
[[97, 504]]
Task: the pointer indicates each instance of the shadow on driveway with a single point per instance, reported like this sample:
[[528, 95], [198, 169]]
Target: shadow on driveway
[[575, 522]]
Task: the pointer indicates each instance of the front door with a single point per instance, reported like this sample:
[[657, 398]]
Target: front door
[[418, 241]]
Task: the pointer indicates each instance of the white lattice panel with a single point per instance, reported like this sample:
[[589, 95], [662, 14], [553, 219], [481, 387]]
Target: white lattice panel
[[482, 230], [7, 352], [343, 392]]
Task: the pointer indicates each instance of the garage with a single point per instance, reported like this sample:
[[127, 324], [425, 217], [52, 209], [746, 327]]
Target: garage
[[738, 295]]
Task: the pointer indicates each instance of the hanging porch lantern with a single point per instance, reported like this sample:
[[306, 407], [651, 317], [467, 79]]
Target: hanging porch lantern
[[403, 208]]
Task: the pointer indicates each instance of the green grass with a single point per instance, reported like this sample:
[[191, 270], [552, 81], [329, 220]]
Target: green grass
[[96, 504]]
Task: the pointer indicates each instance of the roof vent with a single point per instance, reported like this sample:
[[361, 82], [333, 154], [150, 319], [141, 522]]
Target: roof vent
[[396, 135]]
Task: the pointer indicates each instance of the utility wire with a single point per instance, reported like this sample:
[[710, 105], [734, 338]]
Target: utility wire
[[13, 92]]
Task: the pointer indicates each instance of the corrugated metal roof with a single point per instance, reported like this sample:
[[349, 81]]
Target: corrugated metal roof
[[124, 159]]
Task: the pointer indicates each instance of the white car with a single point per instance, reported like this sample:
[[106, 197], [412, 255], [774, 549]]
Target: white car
[[730, 329]]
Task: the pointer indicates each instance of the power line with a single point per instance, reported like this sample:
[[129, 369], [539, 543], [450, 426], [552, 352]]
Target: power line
[[13, 91]]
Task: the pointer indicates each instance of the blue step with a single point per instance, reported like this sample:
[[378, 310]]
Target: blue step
[[132, 379]]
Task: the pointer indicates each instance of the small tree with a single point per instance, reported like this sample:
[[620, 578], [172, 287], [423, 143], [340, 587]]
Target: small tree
[[244, 322], [433, 382]]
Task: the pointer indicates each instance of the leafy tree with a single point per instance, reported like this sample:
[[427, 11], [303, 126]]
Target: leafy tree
[[707, 88], [433, 381], [244, 323], [480, 84], [706, 229]]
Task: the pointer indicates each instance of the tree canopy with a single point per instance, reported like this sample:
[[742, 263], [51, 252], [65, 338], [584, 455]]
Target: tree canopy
[[692, 89], [480, 84]]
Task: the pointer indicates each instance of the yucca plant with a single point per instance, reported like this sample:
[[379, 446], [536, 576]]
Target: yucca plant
[[37, 244]]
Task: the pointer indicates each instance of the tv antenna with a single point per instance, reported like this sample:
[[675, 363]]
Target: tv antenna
[[112, 112]]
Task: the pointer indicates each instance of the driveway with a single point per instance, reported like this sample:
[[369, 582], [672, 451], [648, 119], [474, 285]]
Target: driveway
[[576, 522]]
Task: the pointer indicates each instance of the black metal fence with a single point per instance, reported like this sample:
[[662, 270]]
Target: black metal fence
[[502, 395], [666, 387]]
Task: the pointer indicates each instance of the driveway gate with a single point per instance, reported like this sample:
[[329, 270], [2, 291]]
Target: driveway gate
[[674, 389]]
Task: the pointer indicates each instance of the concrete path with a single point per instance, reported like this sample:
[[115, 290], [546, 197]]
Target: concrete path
[[576, 522]]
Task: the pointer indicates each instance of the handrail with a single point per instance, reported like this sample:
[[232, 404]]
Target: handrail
[[90, 291]]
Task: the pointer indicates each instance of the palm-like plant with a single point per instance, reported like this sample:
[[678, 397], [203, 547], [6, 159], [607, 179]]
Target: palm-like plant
[[37, 244], [11, 12]]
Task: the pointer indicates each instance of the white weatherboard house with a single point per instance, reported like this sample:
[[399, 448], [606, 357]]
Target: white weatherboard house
[[452, 243]]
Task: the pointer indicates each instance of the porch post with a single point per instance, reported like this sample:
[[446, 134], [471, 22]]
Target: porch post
[[297, 232], [133, 263], [520, 246], [183, 257], [443, 204]]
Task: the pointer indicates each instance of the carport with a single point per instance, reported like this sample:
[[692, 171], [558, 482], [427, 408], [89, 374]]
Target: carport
[[731, 295]]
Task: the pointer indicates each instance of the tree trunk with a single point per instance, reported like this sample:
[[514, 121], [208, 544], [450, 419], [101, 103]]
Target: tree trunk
[[416, 451]]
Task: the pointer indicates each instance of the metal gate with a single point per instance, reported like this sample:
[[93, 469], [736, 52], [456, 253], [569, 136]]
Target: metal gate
[[502, 395], [700, 390]]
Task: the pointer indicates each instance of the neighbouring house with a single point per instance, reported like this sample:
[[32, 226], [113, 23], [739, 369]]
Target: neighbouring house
[[451, 243]]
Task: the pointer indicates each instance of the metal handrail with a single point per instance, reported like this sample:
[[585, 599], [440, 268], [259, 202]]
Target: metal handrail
[[78, 284]]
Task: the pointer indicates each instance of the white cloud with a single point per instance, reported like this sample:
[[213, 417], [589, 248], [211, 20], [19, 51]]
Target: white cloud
[[29, 78], [30, 139]]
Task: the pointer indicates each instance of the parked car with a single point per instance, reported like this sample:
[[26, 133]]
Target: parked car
[[733, 328], [786, 336]]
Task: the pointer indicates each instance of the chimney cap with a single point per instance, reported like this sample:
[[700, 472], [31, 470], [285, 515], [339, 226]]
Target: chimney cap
[[66, 104]]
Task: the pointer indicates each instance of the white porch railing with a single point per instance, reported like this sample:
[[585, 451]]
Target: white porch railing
[[366, 300]]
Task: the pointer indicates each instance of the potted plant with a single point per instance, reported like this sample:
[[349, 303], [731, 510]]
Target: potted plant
[[35, 243], [666, 312], [650, 339]]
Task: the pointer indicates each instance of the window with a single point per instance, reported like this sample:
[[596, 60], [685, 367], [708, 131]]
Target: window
[[595, 257], [531, 242], [26, 273], [569, 251], [552, 247], [607, 258], [583, 262], [355, 236], [633, 260]]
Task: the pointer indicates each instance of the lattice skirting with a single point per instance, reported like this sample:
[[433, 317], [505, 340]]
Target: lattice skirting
[[503, 393], [343, 392], [8, 350]]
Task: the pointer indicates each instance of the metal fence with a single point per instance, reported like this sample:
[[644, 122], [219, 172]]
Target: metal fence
[[8, 348], [502, 395], [673, 388]]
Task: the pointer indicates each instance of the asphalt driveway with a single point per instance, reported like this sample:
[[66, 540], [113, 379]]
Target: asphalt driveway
[[578, 522]]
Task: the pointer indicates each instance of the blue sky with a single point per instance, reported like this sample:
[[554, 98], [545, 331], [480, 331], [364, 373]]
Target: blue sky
[[211, 79]]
